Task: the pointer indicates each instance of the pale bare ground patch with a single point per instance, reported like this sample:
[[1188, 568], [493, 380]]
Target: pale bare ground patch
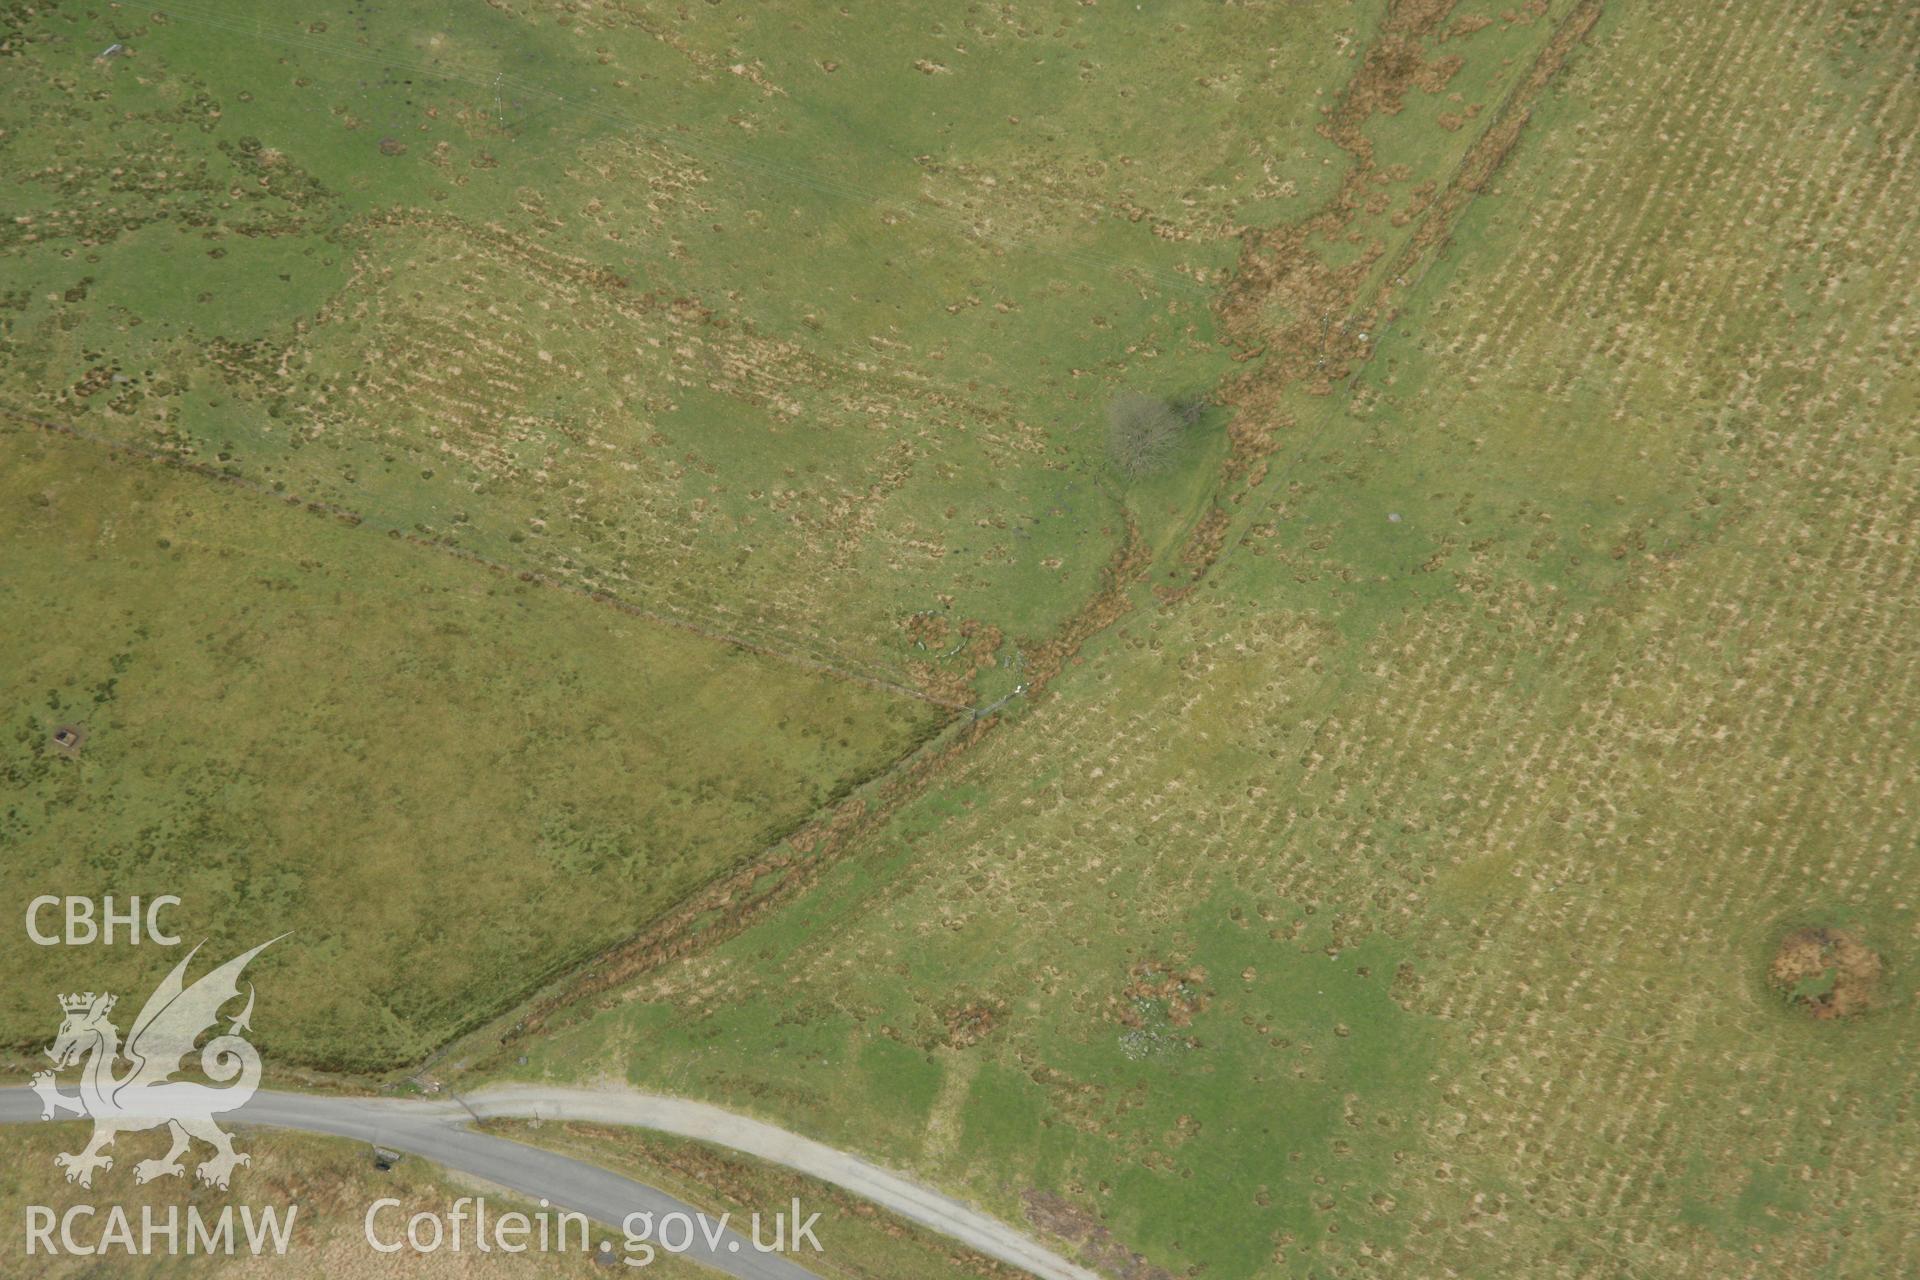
[[943, 1124]]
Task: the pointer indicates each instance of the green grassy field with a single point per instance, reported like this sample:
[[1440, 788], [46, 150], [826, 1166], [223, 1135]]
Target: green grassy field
[[447, 783], [802, 343], [1400, 901], [1382, 872]]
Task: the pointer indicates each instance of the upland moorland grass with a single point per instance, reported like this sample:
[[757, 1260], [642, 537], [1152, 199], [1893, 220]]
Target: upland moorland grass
[[1395, 891], [1383, 873]]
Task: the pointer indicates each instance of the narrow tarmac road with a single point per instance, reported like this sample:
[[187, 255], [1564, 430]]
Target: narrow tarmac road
[[438, 1130]]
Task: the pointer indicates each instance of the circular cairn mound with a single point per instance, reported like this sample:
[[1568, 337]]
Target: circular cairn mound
[[1825, 973]]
